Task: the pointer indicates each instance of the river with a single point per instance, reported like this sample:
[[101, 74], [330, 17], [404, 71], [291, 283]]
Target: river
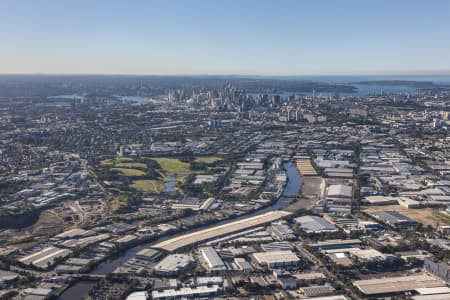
[[291, 189]]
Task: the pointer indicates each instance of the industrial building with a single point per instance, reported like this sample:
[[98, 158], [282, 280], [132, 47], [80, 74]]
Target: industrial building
[[336, 297], [395, 219], [74, 233], [138, 296], [221, 230], [243, 265], [395, 285], [276, 259], [173, 264], [6, 277], [339, 191], [305, 167], [380, 200], [314, 224], [84, 242], [186, 292], [336, 244], [318, 290], [45, 258], [148, 254], [212, 258], [438, 268]]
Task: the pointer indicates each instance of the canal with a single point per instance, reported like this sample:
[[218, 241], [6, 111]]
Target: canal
[[291, 189]]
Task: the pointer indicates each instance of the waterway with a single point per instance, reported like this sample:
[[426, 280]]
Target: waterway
[[78, 291], [291, 189]]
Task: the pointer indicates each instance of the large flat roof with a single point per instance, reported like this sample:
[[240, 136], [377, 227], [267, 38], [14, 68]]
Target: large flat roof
[[42, 257], [216, 231], [397, 284], [275, 257], [314, 224]]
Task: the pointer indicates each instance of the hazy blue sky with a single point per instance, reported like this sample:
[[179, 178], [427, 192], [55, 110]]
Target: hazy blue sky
[[225, 37]]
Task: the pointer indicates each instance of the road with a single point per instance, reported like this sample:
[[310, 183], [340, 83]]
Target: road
[[319, 265]]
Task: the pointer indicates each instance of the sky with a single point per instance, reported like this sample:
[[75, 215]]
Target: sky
[[248, 37]]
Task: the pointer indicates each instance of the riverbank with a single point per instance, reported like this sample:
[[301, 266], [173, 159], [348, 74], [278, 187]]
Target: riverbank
[[291, 189]]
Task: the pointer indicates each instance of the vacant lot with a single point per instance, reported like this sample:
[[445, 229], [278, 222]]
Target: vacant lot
[[310, 193], [426, 216], [312, 186]]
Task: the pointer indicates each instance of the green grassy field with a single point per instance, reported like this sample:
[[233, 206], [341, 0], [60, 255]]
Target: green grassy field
[[123, 162], [208, 138], [116, 160], [207, 159], [129, 172], [148, 186], [132, 165], [173, 166], [149, 183]]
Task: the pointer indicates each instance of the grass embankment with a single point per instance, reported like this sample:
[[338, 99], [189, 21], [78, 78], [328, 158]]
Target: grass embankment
[[46, 226]]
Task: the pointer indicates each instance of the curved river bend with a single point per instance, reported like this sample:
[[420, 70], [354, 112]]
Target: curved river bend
[[81, 289]]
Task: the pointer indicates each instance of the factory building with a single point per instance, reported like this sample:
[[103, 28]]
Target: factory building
[[213, 260], [395, 219], [336, 244], [173, 264], [276, 259], [438, 268], [186, 292], [45, 258], [314, 224], [396, 285]]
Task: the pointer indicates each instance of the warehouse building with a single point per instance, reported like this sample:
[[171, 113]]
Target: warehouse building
[[212, 258], [438, 268], [148, 254], [45, 258], [337, 191], [276, 259], [143, 295], [395, 219], [173, 265], [318, 290], [396, 285], [220, 230], [281, 231], [6, 277], [336, 244], [380, 200], [186, 292], [243, 265], [73, 233], [314, 224]]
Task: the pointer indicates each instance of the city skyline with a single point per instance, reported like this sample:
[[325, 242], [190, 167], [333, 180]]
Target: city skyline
[[221, 38]]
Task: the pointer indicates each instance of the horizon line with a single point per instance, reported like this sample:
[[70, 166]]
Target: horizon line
[[406, 74]]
